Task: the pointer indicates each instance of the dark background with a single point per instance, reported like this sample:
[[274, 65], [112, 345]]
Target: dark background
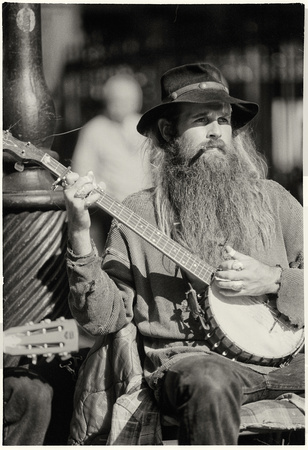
[[258, 47]]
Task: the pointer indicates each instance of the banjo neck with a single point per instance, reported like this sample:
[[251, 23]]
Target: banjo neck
[[26, 152], [247, 329], [182, 257]]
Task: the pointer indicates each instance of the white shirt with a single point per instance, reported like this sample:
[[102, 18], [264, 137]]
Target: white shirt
[[115, 153]]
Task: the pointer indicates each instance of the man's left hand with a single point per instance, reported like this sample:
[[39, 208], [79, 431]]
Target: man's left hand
[[243, 275]]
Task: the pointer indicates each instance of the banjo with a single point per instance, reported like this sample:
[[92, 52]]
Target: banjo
[[246, 329]]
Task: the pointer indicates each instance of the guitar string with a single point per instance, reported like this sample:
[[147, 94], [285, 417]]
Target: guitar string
[[63, 133]]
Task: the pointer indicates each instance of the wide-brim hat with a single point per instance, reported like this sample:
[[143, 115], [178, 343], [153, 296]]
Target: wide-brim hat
[[196, 83]]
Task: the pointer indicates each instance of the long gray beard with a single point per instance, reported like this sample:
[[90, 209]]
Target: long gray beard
[[216, 202]]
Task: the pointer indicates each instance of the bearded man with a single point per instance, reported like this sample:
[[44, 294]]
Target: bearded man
[[210, 196]]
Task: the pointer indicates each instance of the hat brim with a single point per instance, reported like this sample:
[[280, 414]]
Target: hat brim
[[242, 111]]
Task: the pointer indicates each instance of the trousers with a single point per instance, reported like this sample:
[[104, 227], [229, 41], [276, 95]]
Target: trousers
[[38, 401], [205, 393], [27, 410]]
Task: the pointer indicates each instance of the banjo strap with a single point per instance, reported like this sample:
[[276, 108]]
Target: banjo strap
[[193, 304]]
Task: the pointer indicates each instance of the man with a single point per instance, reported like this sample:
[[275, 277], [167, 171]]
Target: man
[[111, 147], [210, 195]]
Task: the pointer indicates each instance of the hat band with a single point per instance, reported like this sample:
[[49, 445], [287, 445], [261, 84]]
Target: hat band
[[203, 86]]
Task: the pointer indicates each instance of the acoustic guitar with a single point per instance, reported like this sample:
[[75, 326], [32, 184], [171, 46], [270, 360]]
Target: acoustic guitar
[[48, 338], [247, 329]]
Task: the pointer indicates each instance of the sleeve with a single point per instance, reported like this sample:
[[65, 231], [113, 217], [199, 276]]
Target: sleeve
[[101, 290], [291, 293]]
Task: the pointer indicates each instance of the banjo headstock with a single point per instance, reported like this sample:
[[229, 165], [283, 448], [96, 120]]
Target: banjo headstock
[[22, 151]]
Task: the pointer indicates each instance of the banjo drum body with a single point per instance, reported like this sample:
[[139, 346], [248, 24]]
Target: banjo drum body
[[250, 329]]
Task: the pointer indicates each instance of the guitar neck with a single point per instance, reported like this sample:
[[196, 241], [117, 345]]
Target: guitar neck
[[182, 257]]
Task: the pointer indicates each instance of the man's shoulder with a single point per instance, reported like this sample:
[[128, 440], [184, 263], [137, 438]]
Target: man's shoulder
[[143, 196], [278, 194], [274, 188], [271, 186], [141, 202]]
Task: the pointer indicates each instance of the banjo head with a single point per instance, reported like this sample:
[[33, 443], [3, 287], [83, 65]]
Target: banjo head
[[250, 329]]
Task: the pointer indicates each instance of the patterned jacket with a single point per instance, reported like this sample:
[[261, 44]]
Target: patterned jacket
[[137, 282]]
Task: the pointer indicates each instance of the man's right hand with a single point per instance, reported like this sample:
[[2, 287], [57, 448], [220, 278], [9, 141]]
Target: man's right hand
[[79, 195]]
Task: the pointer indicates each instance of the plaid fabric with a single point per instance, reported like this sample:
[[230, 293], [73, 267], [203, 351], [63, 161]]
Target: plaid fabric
[[113, 404], [118, 408], [284, 413], [136, 419]]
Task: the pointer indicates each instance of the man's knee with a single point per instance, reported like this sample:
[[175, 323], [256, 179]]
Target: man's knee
[[23, 394], [205, 379], [43, 393]]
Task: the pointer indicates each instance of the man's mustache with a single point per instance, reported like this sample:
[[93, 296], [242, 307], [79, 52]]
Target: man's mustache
[[206, 146]]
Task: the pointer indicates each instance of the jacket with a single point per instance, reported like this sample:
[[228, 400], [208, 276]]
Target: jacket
[[139, 283]]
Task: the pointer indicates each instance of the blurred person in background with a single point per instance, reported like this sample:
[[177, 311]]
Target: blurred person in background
[[111, 147]]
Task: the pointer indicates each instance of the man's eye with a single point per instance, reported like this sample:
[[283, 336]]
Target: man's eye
[[202, 120], [224, 120]]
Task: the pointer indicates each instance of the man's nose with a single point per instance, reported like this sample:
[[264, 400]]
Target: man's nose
[[213, 131]]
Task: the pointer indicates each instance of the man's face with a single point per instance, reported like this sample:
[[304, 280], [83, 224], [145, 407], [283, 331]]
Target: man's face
[[214, 196], [202, 124]]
